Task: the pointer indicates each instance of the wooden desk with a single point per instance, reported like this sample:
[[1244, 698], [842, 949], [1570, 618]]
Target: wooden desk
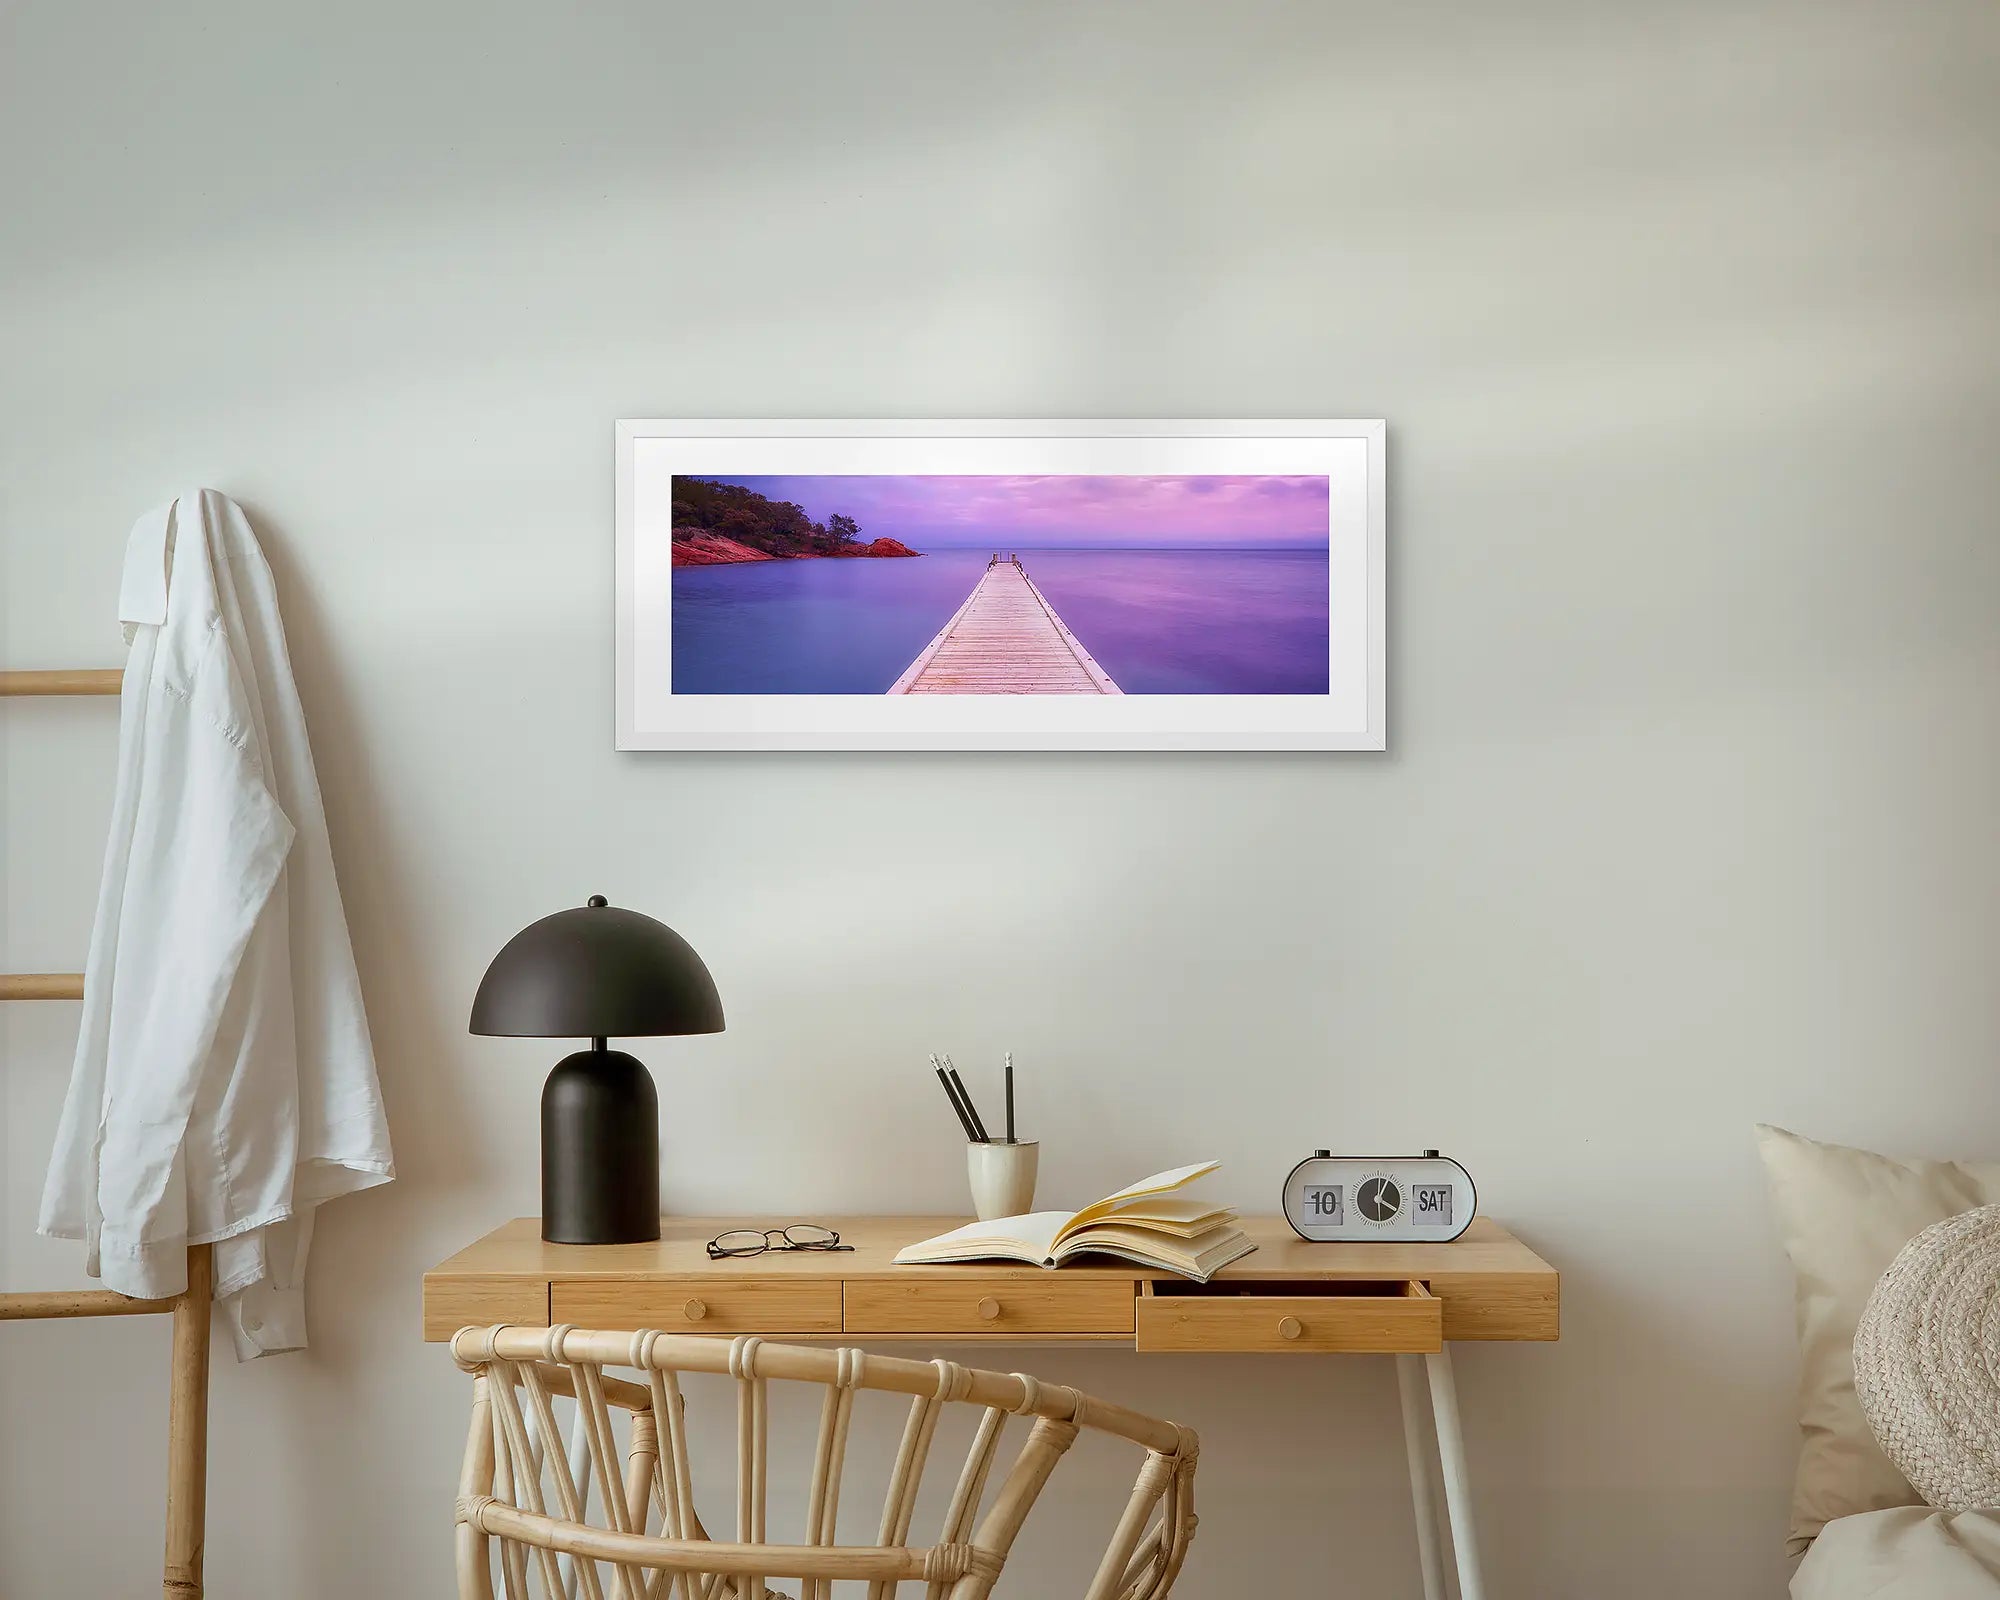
[[1289, 1297]]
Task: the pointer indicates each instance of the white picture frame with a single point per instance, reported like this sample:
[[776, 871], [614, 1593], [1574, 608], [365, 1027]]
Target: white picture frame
[[1350, 716]]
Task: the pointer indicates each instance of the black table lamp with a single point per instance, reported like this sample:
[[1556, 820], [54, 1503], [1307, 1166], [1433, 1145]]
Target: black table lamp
[[597, 972]]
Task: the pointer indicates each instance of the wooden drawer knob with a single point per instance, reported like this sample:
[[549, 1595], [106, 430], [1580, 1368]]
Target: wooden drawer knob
[[1288, 1327], [988, 1309], [695, 1310]]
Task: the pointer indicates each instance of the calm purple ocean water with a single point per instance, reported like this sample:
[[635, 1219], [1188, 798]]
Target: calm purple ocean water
[[1159, 621]]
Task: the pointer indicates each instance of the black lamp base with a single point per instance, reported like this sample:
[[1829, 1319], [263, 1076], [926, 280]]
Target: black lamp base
[[600, 1150]]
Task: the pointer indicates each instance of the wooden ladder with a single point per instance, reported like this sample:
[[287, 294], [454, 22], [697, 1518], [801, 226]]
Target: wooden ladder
[[187, 1396]]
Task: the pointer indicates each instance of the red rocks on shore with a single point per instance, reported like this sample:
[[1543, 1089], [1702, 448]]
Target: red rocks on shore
[[714, 550], [881, 547]]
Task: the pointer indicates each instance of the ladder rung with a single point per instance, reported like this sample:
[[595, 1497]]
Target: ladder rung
[[37, 1305], [41, 986], [83, 680]]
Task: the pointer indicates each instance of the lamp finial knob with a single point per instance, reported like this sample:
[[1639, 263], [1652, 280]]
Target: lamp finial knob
[[597, 900]]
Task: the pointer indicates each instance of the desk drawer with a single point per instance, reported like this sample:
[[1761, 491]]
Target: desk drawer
[[1231, 1315], [698, 1304], [1046, 1303], [454, 1303]]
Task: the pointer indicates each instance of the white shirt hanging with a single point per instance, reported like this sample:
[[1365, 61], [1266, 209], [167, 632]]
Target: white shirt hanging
[[224, 1083]]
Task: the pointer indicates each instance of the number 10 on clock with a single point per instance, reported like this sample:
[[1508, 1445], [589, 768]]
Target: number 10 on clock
[[1323, 1201]]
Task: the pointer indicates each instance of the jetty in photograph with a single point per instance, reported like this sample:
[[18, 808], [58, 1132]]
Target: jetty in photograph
[[1052, 584], [1005, 639]]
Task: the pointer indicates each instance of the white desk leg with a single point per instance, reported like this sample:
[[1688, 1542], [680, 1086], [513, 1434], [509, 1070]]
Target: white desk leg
[[1423, 1493], [1457, 1484]]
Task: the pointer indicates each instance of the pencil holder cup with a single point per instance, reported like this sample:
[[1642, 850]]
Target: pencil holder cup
[[1003, 1177]]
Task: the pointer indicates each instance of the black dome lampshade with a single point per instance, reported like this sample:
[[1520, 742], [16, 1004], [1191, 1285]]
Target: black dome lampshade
[[597, 972]]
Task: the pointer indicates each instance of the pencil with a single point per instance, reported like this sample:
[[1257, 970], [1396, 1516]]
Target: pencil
[[964, 1121], [965, 1097], [975, 1130], [1010, 1097], [960, 1101]]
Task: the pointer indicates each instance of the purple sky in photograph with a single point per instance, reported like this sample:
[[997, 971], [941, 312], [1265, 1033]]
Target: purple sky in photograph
[[1027, 512]]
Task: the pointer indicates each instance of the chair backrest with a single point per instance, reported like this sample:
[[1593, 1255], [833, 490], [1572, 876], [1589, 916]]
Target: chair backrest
[[519, 1486]]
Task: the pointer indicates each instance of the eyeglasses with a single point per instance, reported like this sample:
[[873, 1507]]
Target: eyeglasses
[[755, 1241]]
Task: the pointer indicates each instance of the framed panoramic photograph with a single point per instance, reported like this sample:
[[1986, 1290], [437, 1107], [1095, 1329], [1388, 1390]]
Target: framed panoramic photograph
[[1000, 586]]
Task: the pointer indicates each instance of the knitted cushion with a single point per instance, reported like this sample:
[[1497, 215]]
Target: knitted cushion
[[1927, 1361], [1842, 1215]]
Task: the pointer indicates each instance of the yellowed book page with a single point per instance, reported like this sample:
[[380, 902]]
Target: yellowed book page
[[1196, 1258], [1168, 1211], [1159, 1183], [1030, 1237], [1206, 1222]]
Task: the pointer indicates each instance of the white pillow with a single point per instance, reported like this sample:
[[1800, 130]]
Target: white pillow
[[1843, 1214]]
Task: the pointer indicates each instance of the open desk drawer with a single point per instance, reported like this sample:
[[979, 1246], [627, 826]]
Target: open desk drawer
[[1400, 1317]]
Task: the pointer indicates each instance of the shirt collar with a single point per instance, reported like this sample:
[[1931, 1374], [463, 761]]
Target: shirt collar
[[149, 559], [142, 590]]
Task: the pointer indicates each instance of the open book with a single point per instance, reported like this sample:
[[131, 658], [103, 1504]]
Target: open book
[[1145, 1223]]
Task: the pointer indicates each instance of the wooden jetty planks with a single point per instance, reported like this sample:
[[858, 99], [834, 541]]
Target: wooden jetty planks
[[1005, 639]]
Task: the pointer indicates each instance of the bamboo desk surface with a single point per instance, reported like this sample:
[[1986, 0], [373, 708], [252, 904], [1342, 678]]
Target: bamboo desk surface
[[1487, 1285]]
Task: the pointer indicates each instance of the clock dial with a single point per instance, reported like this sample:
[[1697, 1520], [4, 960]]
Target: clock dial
[[1378, 1199]]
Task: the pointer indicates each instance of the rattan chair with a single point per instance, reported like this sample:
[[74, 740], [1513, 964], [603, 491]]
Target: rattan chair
[[515, 1445]]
